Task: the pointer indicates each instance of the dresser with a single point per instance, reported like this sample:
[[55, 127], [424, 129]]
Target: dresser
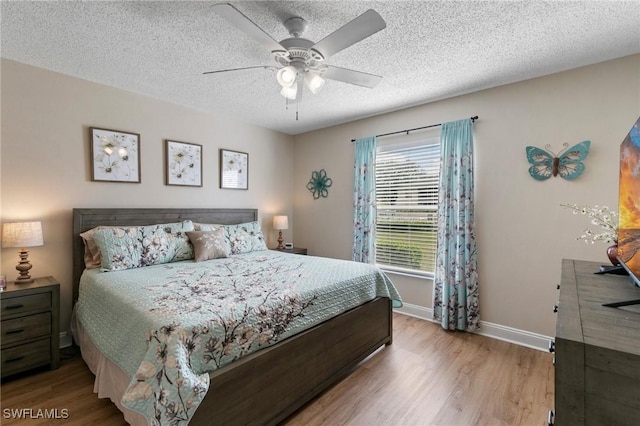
[[293, 250], [597, 349], [30, 333]]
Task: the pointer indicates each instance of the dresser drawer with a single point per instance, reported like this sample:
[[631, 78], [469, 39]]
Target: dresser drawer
[[32, 302], [24, 328], [26, 356]]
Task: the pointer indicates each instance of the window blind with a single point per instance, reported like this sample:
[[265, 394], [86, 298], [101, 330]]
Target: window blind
[[407, 202]]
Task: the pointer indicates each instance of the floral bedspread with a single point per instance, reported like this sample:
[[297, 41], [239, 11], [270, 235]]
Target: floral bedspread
[[168, 325]]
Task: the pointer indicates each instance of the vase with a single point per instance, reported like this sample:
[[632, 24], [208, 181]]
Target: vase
[[612, 254]]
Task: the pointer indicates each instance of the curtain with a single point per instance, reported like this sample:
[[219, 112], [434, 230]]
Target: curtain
[[455, 293], [364, 200]]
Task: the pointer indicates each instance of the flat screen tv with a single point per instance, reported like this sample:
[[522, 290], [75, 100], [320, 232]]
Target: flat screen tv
[[629, 204]]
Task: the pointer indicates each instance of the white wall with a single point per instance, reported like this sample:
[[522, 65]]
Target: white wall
[[45, 169], [522, 231]]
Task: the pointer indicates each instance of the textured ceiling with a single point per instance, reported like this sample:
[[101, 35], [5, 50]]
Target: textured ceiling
[[430, 50]]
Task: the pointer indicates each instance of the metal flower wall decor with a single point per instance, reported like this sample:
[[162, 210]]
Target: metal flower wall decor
[[319, 184]]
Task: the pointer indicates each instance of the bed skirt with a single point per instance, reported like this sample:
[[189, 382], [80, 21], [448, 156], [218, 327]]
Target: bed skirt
[[111, 381]]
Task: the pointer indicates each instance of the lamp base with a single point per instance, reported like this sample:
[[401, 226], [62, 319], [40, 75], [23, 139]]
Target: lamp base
[[23, 267], [280, 241]]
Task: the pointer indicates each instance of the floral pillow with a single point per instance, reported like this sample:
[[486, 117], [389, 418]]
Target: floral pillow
[[209, 244], [245, 237], [138, 246], [91, 250]]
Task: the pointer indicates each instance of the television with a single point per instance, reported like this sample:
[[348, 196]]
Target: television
[[629, 204]]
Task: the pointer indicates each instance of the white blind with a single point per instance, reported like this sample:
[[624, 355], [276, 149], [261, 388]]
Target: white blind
[[407, 201]]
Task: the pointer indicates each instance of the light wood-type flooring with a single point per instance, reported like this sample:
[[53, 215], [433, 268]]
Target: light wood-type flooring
[[429, 376]]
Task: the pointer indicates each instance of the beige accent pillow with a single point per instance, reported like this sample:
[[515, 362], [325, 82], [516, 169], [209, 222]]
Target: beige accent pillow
[[91, 251], [209, 244], [206, 226]]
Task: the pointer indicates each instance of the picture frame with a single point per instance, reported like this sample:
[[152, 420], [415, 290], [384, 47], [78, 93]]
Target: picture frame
[[115, 155], [183, 163], [234, 169]]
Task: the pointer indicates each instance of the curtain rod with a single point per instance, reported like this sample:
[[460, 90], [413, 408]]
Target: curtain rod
[[473, 119]]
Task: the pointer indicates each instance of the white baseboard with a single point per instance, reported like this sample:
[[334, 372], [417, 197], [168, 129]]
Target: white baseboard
[[65, 339], [495, 331]]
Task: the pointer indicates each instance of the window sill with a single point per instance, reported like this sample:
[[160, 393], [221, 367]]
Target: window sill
[[406, 272]]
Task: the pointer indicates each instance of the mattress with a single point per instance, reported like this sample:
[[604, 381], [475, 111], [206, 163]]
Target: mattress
[[167, 326]]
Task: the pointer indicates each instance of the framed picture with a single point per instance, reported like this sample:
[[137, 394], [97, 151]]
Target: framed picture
[[183, 163], [115, 156], [234, 169]]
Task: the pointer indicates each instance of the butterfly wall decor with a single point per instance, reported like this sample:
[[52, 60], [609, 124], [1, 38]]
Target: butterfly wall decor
[[567, 163]]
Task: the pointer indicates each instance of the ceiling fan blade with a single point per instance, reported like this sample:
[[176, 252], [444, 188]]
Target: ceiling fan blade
[[352, 77], [266, 67], [246, 25], [360, 28]]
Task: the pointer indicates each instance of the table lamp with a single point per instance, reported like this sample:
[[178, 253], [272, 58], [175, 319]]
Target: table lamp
[[22, 235], [280, 223]]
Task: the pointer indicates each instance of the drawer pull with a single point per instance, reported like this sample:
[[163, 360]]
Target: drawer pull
[[552, 346], [555, 308], [557, 286], [14, 331], [14, 306], [14, 359], [551, 418]]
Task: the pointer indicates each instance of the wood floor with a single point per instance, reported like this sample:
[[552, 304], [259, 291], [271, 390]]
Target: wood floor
[[427, 377]]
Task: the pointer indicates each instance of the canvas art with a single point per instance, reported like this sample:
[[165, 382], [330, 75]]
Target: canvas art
[[183, 163], [628, 204], [115, 156], [234, 169]]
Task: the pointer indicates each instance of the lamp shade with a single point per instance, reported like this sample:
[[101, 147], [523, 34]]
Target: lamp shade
[[290, 92], [286, 76], [280, 222], [22, 234], [314, 82]]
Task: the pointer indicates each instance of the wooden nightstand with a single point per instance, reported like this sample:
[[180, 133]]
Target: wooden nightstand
[[30, 333], [295, 250]]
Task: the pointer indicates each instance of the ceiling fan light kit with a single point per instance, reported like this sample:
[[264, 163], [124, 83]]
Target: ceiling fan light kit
[[286, 76], [300, 60]]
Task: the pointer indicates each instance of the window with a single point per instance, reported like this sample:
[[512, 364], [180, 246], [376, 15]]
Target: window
[[407, 201]]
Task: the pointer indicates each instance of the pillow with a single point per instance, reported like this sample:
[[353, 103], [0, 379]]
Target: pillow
[[209, 244], [91, 251], [137, 246], [206, 226], [245, 237]]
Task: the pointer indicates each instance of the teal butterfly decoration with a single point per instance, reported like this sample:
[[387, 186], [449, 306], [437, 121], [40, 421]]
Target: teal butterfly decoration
[[567, 163]]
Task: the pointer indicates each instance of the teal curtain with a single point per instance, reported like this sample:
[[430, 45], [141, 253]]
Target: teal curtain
[[364, 200], [455, 294]]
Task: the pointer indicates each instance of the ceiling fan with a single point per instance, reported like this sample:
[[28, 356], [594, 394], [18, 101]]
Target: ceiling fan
[[301, 61]]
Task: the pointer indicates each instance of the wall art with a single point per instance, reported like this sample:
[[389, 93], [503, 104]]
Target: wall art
[[183, 163], [567, 163], [319, 184], [115, 155], [234, 169]]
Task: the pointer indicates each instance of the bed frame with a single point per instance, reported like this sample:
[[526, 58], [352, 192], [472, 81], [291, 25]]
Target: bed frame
[[269, 385]]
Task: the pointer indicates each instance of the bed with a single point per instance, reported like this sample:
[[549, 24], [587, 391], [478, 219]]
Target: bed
[[263, 387]]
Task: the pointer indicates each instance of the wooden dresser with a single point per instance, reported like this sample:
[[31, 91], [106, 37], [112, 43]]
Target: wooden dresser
[[597, 349], [30, 333]]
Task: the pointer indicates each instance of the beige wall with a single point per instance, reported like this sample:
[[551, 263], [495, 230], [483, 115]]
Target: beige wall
[[522, 231], [45, 168]]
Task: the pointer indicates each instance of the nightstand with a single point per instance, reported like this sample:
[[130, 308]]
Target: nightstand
[[30, 333], [295, 250]]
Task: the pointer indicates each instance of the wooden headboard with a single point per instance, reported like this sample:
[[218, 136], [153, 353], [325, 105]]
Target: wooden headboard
[[85, 219]]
